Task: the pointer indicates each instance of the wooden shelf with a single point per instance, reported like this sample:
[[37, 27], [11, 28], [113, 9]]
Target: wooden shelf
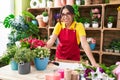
[[111, 53], [103, 35], [111, 29]]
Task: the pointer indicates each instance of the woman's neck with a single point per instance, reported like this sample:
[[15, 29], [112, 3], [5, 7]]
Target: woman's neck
[[68, 25]]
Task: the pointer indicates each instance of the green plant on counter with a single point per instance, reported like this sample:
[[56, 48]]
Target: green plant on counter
[[41, 52], [8, 55], [23, 55]]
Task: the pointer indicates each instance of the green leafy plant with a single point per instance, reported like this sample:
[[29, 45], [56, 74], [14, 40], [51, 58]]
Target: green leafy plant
[[11, 51], [45, 13], [102, 69], [8, 55], [41, 52], [111, 19], [7, 20], [20, 27], [28, 14], [23, 55], [87, 20], [108, 70], [77, 14]]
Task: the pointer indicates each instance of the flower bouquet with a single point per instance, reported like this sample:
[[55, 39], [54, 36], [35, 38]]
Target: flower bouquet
[[32, 43], [100, 73]]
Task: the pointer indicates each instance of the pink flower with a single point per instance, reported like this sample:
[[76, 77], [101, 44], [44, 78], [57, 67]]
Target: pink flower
[[98, 15], [95, 10], [33, 42]]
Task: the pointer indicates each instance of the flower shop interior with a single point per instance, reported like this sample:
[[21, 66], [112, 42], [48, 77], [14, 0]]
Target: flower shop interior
[[27, 25]]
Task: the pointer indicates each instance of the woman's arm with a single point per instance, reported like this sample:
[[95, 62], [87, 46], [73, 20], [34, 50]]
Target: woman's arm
[[51, 41], [87, 50]]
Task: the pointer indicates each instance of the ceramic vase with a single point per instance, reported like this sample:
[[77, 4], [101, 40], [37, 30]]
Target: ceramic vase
[[95, 24], [87, 25], [41, 63], [109, 25], [14, 65]]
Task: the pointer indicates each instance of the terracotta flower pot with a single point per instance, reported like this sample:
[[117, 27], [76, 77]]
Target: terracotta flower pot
[[41, 23]]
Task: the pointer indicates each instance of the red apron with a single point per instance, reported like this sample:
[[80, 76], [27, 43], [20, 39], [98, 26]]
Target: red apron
[[68, 48]]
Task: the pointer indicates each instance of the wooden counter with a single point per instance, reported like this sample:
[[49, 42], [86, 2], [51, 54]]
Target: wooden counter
[[7, 74]]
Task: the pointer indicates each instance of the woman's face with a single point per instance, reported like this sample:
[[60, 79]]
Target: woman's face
[[66, 16]]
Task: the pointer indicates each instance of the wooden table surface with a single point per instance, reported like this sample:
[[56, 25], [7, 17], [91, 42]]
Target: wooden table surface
[[7, 74]]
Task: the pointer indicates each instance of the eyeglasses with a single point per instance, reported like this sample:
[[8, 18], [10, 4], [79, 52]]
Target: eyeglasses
[[67, 14]]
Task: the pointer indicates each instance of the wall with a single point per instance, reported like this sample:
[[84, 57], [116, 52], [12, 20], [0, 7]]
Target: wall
[[21, 5]]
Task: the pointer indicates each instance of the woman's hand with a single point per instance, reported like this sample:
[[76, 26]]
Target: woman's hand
[[96, 65]]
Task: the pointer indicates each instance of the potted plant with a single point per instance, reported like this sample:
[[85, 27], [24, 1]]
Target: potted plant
[[87, 23], [110, 21], [31, 16], [45, 16], [95, 15], [23, 57], [11, 52], [20, 28], [41, 57], [49, 3], [116, 49]]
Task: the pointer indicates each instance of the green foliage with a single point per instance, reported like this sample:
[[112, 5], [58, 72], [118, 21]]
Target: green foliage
[[77, 14], [111, 19], [84, 20], [23, 55], [108, 70], [10, 52], [4, 60], [7, 20], [41, 52], [45, 13], [115, 44], [28, 14], [20, 27]]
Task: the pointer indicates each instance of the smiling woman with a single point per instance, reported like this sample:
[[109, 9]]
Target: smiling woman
[[5, 9]]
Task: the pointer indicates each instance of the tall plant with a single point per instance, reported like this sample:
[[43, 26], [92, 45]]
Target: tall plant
[[77, 14], [21, 28]]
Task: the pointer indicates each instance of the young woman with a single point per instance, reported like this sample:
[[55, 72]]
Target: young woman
[[70, 34]]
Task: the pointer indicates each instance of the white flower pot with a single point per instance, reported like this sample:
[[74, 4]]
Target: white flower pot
[[109, 25], [45, 19], [49, 4], [95, 25], [86, 25]]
